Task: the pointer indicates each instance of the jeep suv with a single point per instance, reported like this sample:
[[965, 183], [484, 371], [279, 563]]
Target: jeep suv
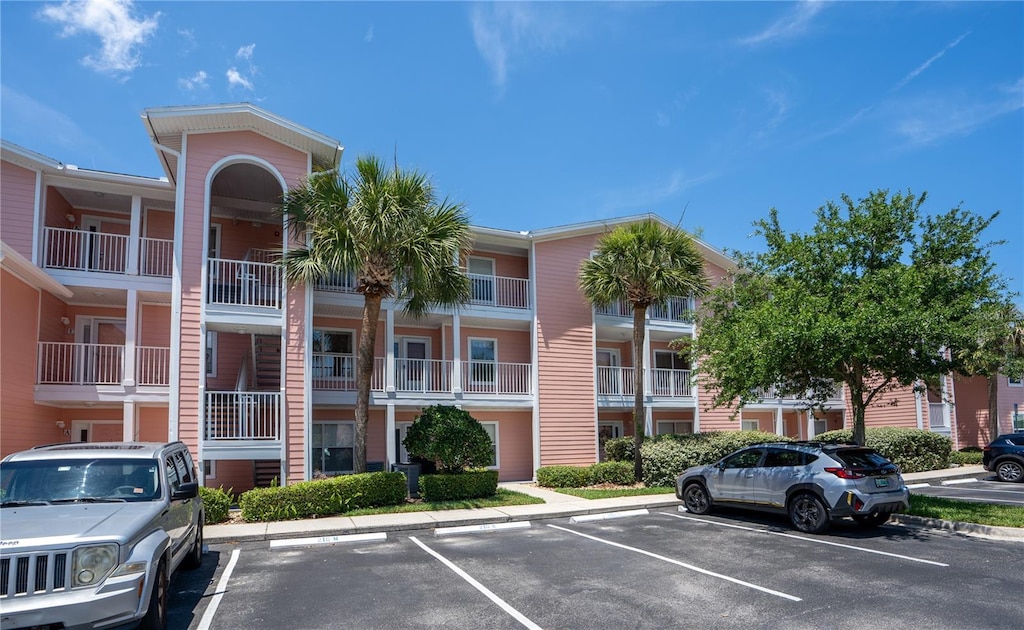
[[93, 531], [811, 482]]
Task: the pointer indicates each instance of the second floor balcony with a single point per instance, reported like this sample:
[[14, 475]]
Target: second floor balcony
[[678, 310], [660, 382], [244, 283], [96, 364], [485, 290], [81, 250], [336, 372]]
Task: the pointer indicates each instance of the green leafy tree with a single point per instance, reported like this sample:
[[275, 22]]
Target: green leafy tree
[[388, 229], [451, 437], [876, 297], [999, 352], [642, 264]]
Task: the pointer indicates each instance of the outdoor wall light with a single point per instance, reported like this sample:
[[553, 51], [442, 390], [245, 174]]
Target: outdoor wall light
[[60, 424], [70, 217]]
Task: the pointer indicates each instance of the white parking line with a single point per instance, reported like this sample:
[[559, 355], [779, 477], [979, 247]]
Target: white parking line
[[604, 516], [813, 540], [486, 527], [222, 588], [518, 616], [682, 564], [327, 540], [955, 482]]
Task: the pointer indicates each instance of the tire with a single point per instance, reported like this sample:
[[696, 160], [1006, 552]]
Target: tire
[[696, 498], [1010, 470], [808, 513], [871, 520], [194, 559], [156, 615]]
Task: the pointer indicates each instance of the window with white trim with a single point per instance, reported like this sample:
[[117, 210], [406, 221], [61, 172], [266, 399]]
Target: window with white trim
[[483, 359], [332, 447], [674, 427], [492, 431], [481, 276], [209, 469], [333, 354], [749, 425], [1015, 382], [211, 354]]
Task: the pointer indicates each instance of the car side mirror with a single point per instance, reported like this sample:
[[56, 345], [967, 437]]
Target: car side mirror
[[185, 491]]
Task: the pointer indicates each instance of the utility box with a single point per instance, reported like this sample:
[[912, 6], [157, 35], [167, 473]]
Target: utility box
[[412, 476]]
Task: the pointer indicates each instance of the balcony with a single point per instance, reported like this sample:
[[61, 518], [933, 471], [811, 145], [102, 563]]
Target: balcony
[[771, 394], [79, 250], [244, 283], [663, 382], [678, 310], [485, 290], [243, 425], [336, 372], [97, 364]]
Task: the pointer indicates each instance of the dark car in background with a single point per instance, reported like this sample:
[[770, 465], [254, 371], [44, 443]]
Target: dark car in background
[[811, 482], [1005, 457]]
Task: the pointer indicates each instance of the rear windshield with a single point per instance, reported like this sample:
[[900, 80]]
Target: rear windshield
[[74, 480], [862, 459]]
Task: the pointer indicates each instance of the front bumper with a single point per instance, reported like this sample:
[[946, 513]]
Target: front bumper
[[115, 603], [852, 503]]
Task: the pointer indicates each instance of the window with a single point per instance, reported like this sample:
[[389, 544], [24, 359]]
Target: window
[[483, 355], [785, 457], [211, 354], [748, 425], [173, 476], [210, 469], [1015, 382], [481, 276], [820, 425], [492, 430], [745, 459], [675, 427], [333, 354], [333, 444]]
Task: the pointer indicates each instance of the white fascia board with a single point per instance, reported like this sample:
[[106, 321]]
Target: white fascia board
[[19, 155], [22, 267]]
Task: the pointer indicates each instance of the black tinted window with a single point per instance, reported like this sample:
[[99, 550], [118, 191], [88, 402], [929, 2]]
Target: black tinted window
[[783, 457], [1016, 439], [861, 458], [745, 459]]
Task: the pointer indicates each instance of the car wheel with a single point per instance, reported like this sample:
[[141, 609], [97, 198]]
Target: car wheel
[[194, 559], [696, 499], [156, 616], [871, 520], [1010, 470], [808, 513]]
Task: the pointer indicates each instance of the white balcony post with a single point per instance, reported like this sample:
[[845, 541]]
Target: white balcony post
[[389, 433], [131, 322], [128, 430], [389, 350], [456, 354], [648, 359], [810, 424], [779, 426], [134, 236]]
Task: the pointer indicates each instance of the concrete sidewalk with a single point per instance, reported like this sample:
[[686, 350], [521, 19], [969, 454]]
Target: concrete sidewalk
[[556, 505]]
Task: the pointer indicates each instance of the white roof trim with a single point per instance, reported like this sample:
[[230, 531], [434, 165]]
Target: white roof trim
[[17, 154], [22, 267]]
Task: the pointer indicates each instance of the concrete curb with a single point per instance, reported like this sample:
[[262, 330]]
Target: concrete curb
[[968, 529]]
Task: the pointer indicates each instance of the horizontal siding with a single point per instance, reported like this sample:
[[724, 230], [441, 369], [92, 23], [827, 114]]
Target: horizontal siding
[[19, 201]]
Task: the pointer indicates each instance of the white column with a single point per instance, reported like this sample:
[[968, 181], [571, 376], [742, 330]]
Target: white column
[[456, 354], [389, 430], [131, 325], [648, 361], [648, 420], [779, 427], [135, 236], [389, 350], [810, 424], [129, 432]]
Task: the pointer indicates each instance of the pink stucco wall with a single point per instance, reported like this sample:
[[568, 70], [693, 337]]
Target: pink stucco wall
[[19, 200]]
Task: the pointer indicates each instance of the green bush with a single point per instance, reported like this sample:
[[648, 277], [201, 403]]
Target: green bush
[[965, 457], [323, 496], [562, 476], [450, 437], [619, 449], [618, 473], [663, 460], [665, 456], [216, 504], [913, 450], [471, 484]]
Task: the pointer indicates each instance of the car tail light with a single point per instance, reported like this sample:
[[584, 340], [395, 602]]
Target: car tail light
[[842, 473], [987, 447]]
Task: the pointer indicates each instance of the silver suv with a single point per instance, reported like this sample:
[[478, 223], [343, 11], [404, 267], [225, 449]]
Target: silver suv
[[93, 531], [812, 482]]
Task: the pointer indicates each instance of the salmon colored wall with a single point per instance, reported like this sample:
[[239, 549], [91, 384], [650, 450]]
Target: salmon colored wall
[[25, 424], [57, 209], [50, 326], [159, 224], [434, 334], [515, 444], [513, 345], [152, 424], [294, 382], [155, 325], [894, 409], [715, 276], [234, 475], [231, 347], [971, 412], [237, 239], [565, 361], [507, 265], [202, 152], [18, 186]]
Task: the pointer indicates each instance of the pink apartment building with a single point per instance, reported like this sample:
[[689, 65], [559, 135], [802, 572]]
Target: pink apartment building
[[138, 308]]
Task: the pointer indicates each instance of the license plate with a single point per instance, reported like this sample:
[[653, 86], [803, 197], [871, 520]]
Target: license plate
[[881, 482]]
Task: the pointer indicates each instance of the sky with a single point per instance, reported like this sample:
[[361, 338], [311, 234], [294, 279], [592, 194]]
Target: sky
[[543, 114]]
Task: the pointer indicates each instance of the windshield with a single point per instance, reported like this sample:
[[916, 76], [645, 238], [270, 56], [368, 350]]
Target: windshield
[[78, 480]]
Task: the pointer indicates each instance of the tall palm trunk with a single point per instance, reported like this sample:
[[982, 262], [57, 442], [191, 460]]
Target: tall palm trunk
[[993, 407], [639, 315], [364, 371]]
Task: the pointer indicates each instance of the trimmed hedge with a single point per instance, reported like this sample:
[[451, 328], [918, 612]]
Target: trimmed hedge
[[619, 449], [665, 456], [965, 457], [913, 450], [323, 496], [470, 484], [618, 473], [216, 504]]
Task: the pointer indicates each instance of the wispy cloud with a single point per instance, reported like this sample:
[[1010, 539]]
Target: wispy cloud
[[931, 119], [27, 116], [121, 33], [924, 66], [245, 52], [793, 24], [506, 31], [188, 41], [369, 35], [238, 78], [235, 79], [198, 80], [649, 195]]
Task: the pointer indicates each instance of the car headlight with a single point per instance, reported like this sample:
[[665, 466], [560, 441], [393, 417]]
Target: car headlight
[[91, 564]]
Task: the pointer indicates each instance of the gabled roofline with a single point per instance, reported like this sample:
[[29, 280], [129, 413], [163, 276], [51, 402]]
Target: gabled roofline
[[17, 154], [22, 267]]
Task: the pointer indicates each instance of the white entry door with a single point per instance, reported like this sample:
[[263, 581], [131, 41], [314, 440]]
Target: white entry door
[[414, 371]]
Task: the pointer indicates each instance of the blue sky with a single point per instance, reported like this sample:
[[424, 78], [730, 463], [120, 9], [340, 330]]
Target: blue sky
[[537, 115]]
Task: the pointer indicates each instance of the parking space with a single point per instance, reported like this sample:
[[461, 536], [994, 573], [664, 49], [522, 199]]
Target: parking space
[[663, 569], [985, 489]]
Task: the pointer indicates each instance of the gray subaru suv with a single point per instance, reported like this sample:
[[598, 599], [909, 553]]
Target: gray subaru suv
[[811, 482], [92, 532]]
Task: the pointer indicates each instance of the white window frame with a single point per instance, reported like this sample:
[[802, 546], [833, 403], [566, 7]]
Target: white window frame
[[312, 463], [469, 355], [352, 333], [614, 354], [494, 438], [658, 430], [403, 430], [492, 274], [745, 422], [209, 469], [211, 351], [1015, 382]]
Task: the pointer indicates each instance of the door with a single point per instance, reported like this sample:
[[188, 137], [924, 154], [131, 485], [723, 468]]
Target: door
[[734, 481], [401, 430], [781, 469], [606, 431], [609, 376], [481, 275], [102, 355], [669, 374], [413, 373], [103, 247]]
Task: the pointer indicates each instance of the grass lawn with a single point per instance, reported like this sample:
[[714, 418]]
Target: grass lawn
[[502, 498], [966, 512], [606, 493]]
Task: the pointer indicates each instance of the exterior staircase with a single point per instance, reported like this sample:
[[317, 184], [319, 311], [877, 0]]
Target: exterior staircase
[[266, 472], [267, 362]]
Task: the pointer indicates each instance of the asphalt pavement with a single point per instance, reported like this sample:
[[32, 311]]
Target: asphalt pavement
[[556, 506]]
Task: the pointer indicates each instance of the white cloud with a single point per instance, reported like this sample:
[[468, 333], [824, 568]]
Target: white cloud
[[25, 115], [198, 80], [648, 195], [369, 35], [924, 66], [504, 31], [188, 43], [114, 22], [933, 118], [791, 25], [245, 52], [235, 79]]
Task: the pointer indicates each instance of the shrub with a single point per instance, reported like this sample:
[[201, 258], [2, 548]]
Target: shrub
[[663, 460], [619, 449], [451, 437], [562, 476], [618, 473], [913, 450], [323, 496], [216, 504], [965, 457], [470, 484]]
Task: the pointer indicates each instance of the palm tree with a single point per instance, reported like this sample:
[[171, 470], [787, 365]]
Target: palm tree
[[388, 229], [642, 263], [999, 352]]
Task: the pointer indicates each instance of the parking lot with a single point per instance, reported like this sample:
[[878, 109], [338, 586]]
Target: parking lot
[[985, 489], [661, 569]]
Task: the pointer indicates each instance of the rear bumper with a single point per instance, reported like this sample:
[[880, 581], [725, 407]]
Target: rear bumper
[[852, 503]]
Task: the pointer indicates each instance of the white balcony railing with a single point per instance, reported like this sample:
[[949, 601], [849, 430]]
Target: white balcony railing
[[670, 383], [614, 381], [423, 375], [664, 383], [84, 251], [334, 372], [243, 283], [156, 257], [60, 363], [772, 393], [243, 416], [152, 366], [677, 309], [487, 290], [490, 377]]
